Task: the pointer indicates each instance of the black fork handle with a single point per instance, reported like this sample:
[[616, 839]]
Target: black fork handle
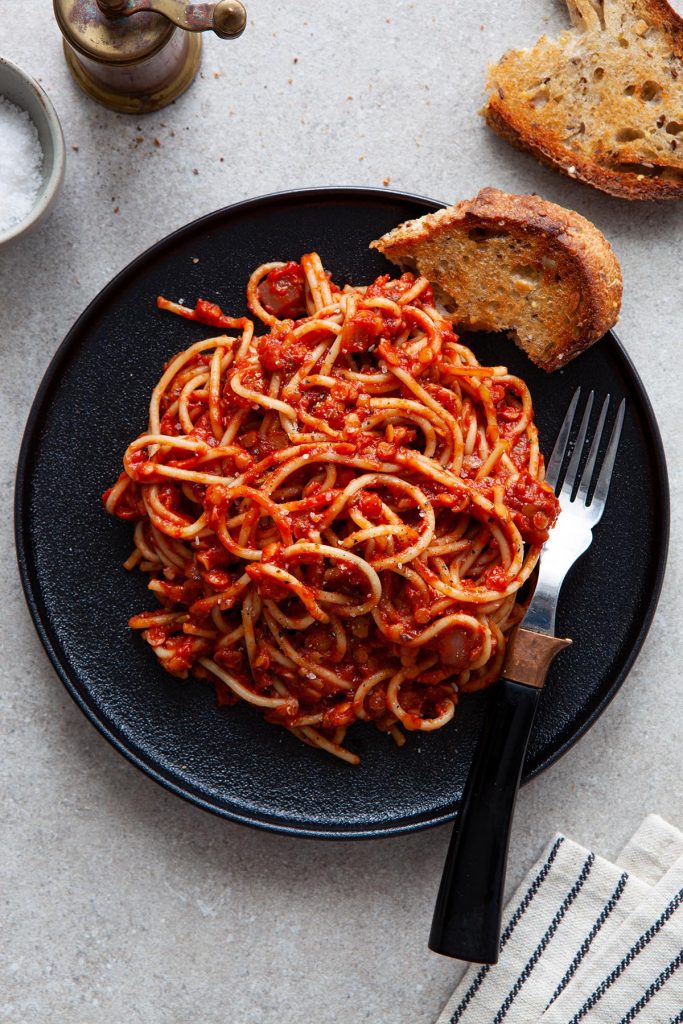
[[468, 910]]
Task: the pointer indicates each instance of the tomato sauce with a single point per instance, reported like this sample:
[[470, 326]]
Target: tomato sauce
[[283, 292]]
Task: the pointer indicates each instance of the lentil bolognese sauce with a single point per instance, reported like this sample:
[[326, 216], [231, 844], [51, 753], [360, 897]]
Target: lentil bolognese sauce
[[336, 516]]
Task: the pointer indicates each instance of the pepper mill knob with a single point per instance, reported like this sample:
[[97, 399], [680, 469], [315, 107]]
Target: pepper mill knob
[[142, 64], [229, 19]]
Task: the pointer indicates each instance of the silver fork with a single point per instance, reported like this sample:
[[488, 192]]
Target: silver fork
[[468, 909], [573, 532]]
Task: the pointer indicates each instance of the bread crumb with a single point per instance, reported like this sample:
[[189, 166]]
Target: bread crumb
[[386, 181], [157, 143], [195, 259]]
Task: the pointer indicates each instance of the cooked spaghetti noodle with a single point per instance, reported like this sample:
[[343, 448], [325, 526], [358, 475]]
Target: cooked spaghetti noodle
[[336, 516]]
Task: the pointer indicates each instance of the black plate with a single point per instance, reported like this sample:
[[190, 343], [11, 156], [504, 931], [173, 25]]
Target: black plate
[[93, 400]]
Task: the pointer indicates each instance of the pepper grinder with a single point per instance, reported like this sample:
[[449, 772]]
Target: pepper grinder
[[135, 56]]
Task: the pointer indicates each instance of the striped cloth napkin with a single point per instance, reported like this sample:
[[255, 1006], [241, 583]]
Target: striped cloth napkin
[[588, 941]]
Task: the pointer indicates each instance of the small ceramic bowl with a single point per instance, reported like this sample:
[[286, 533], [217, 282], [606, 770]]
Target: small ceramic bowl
[[22, 90]]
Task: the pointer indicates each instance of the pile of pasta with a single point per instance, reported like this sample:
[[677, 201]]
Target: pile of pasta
[[336, 515]]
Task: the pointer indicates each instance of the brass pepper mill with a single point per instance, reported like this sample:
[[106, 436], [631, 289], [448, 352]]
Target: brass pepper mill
[[135, 56]]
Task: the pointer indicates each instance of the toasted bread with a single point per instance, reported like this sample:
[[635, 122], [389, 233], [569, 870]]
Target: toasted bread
[[604, 102], [518, 264]]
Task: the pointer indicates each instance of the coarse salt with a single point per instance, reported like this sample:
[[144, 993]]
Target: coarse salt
[[21, 162]]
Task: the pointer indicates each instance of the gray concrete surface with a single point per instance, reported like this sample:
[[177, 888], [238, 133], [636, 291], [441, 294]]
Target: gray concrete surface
[[119, 901]]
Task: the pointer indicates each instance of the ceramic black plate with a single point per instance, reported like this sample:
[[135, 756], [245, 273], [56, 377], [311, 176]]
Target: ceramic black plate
[[93, 400]]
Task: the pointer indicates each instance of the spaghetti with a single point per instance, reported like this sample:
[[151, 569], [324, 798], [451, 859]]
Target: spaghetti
[[336, 516]]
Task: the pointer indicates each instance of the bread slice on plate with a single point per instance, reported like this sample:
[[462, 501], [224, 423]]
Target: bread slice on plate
[[518, 264], [604, 102]]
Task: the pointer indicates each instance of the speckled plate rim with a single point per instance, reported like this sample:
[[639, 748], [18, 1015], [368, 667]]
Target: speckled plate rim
[[21, 511]]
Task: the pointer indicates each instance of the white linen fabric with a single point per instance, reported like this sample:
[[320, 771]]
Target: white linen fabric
[[588, 941]]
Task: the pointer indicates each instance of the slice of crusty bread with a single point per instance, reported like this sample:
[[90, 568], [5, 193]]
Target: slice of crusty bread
[[604, 102], [517, 264]]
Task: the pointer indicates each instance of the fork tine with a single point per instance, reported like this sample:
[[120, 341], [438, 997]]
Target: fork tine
[[552, 473], [573, 467], [597, 505], [587, 474]]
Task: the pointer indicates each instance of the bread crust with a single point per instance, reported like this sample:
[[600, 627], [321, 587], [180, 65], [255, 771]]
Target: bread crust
[[508, 122], [623, 184], [588, 261], [666, 18]]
